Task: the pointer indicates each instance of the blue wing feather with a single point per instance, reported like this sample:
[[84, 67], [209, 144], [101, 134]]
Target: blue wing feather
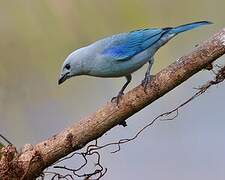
[[125, 46]]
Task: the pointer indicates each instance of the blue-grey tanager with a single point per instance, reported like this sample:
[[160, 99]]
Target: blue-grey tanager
[[121, 54]]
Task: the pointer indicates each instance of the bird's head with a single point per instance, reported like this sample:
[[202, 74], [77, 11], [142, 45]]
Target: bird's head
[[72, 66]]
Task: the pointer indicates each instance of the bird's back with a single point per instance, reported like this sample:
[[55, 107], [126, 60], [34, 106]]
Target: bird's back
[[123, 46], [124, 53], [114, 54]]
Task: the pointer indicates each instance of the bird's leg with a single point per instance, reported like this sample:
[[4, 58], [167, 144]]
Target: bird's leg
[[148, 76], [120, 94]]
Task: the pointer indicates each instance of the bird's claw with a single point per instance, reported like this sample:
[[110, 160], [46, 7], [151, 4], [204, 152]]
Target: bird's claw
[[145, 81], [123, 123], [117, 98]]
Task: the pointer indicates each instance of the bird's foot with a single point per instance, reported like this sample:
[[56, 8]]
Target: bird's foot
[[117, 98], [146, 80], [123, 123]]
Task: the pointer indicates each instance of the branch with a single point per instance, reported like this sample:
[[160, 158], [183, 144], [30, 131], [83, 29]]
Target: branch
[[92, 149], [34, 159]]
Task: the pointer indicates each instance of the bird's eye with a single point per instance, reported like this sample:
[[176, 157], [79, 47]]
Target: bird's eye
[[67, 66]]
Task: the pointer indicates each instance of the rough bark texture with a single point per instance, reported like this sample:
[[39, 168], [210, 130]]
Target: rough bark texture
[[34, 159]]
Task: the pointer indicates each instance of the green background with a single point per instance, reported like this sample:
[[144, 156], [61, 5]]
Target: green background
[[36, 37]]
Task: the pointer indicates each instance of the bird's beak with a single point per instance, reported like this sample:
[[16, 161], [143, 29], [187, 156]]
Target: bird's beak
[[63, 78]]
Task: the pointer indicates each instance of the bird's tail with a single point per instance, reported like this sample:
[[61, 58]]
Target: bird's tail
[[189, 26]]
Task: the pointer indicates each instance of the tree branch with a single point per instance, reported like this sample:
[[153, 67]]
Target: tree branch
[[34, 159]]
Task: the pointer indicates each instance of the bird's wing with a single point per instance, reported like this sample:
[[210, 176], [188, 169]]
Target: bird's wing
[[126, 45]]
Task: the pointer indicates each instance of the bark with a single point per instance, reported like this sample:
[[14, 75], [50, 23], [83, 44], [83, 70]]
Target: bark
[[34, 159]]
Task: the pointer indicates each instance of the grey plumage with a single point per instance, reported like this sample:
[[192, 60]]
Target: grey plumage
[[121, 54]]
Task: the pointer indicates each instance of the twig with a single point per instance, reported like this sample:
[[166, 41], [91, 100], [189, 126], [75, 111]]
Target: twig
[[5, 139]]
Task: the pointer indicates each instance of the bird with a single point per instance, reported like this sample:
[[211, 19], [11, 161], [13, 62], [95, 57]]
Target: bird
[[121, 54]]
